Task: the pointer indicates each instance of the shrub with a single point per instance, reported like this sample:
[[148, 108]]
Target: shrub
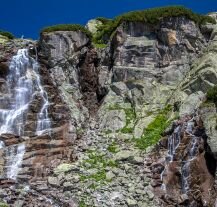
[[67, 27], [151, 16], [212, 95], [7, 34]]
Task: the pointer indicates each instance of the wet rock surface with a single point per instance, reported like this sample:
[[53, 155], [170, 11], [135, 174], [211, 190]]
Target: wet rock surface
[[186, 171]]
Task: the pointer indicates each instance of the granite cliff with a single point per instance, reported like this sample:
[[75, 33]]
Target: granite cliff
[[130, 122]]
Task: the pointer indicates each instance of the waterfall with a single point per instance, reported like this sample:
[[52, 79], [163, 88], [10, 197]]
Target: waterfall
[[173, 143], [15, 155], [2, 145], [23, 86], [23, 83], [19, 94], [43, 121], [184, 129]]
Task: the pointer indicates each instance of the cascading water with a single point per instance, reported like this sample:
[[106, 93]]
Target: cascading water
[[43, 122], [19, 94], [23, 85], [173, 143], [15, 155], [183, 129]]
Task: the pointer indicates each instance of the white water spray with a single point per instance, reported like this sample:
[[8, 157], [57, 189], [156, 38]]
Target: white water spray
[[23, 84]]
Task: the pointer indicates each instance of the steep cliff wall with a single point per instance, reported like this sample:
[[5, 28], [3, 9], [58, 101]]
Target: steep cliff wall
[[109, 108]]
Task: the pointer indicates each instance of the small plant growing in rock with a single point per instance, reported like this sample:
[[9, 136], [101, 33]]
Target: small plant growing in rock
[[112, 147]]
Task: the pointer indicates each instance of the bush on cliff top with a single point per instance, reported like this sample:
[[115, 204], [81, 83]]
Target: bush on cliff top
[[7, 34], [151, 16], [67, 27]]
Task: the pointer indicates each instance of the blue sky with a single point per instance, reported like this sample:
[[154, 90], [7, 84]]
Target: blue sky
[[27, 17]]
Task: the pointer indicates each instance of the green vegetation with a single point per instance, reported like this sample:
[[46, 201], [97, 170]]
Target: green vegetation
[[67, 27], [113, 148], [103, 20], [154, 130], [107, 131], [130, 118], [100, 46], [99, 162], [7, 34], [82, 204], [99, 176], [150, 16], [212, 95], [2, 204]]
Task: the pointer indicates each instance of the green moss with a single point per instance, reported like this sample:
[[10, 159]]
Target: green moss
[[7, 34], [212, 95], [82, 204], [127, 130], [216, 124], [130, 117], [154, 130], [2, 204], [99, 46], [108, 131], [67, 27], [99, 176], [97, 161], [150, 16], [112, 163], [113, 148]]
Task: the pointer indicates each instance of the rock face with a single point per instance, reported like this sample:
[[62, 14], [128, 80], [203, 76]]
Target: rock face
[[189, 167], [166, 50], [28, 157], [148, 64], [105, 103]]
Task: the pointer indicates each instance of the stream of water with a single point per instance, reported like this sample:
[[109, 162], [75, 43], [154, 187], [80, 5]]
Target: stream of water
[[174, 142], [23, 85]]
